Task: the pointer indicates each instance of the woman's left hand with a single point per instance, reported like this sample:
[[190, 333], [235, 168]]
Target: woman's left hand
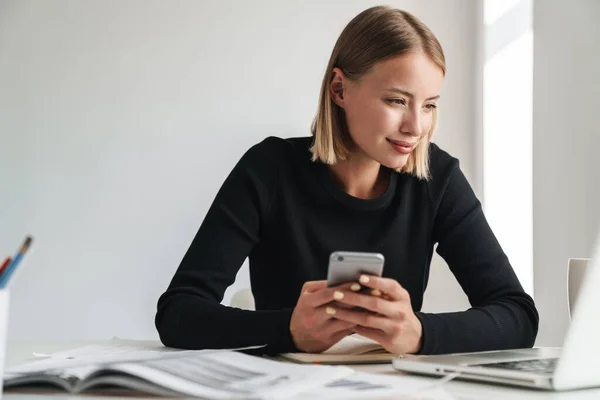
[[385, 314]]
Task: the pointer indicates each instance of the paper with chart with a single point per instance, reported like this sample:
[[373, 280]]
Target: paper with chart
[[228, 374], [362, 385]]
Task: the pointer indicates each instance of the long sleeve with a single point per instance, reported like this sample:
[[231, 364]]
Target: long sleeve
[[189, 314], [502, 315]]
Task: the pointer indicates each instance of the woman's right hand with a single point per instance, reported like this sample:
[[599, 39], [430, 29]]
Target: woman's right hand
[[313, 329]]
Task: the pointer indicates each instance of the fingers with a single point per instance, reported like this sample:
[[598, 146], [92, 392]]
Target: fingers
[[367, 319], [324, 295], [367, 302], [334, 327], [387, 286], [313, 286], [319, 317], [323, 327]]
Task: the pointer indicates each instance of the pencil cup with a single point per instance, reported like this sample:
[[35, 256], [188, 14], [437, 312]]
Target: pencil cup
[[4, 306]]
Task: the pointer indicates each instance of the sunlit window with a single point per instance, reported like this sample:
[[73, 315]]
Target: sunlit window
[[507, 130]]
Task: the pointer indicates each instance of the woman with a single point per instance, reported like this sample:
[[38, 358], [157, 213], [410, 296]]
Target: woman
[[367, 180]]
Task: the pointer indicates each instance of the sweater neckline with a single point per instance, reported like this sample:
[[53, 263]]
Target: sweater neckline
[[333, 187]]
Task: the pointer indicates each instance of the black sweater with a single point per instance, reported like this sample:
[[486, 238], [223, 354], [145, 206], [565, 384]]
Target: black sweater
[[287, 214]]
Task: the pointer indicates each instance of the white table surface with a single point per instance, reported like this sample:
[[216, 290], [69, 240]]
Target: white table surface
[[21, 351]]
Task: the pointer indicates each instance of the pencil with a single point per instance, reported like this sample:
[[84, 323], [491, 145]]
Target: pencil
[[12, 266]]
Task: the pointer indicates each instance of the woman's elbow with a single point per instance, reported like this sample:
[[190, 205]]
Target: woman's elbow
[[166, 322], [531, 322], [166, 331]]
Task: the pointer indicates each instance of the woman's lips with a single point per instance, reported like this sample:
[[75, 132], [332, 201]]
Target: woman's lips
[[401, 147]]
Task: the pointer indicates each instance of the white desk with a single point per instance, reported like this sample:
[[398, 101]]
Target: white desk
[[18, 352]]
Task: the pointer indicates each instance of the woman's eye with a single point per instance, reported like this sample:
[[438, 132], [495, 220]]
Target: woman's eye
[[430, 106], [397, 101]]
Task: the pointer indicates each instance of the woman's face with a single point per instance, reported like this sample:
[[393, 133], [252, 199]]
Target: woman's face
[[390, 109]]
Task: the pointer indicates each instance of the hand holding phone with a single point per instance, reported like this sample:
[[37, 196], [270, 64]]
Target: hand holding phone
[[388, 317], [313, 326]]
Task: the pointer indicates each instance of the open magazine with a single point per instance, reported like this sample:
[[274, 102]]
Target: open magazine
[[210, 374]]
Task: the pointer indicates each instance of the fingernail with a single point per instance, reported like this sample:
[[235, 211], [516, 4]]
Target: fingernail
[[364, 279], [338, 295], [355, 287], [330, 310], [376, 292]]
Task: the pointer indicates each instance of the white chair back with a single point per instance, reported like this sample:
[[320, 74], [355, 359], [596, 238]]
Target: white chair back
[[243, 299]]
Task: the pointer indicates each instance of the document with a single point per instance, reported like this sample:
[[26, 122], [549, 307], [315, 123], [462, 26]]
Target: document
[[363, 385]]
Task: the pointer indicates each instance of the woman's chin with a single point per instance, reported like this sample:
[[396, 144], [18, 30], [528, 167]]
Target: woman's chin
[[397, 162]]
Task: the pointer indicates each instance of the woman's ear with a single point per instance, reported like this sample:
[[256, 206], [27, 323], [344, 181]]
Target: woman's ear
[[337, 87]]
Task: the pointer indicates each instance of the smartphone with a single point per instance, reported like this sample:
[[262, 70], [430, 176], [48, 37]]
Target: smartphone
[[347, 266]]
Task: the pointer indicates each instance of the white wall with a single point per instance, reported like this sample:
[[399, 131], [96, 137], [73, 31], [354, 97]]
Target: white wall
[[119, 120], [566, 177]]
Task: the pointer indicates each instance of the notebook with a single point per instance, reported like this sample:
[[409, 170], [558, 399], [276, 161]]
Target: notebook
[[353, 349]]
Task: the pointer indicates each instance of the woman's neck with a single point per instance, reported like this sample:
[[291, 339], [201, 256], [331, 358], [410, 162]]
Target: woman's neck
[[361, 177]]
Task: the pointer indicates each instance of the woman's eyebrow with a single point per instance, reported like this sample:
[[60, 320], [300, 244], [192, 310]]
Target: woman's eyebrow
[[409, 94]]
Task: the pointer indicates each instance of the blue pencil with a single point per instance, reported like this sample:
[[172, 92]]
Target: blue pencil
[[10, 269]]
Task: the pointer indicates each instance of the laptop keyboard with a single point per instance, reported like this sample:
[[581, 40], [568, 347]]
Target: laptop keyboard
[[543, 366]]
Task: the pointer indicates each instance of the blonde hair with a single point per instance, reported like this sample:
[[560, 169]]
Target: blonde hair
[[376, 34]]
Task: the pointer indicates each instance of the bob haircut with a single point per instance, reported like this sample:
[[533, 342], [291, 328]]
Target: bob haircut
[[376, 34]]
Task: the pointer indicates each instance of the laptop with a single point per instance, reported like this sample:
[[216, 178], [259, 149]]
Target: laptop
[[574, 366]]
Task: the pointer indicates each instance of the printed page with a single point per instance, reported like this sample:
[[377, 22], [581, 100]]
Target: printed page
[[225, 375], [363, 385], [67, 379], [90, 356], [114, 349]]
